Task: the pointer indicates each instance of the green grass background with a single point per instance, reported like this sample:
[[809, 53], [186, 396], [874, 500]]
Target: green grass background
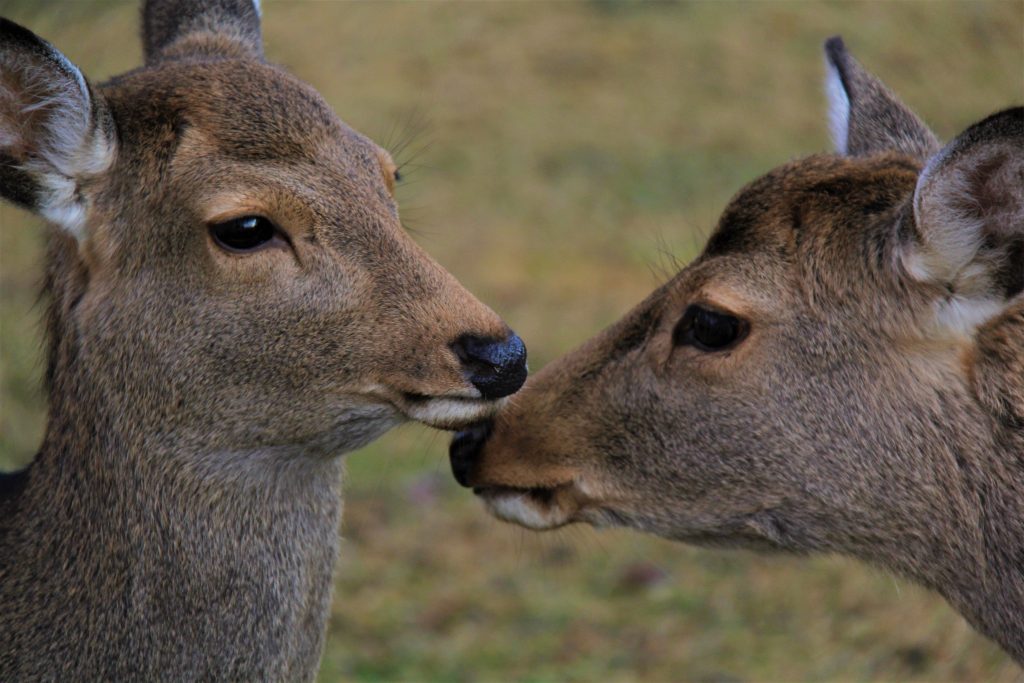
[[565, 156]]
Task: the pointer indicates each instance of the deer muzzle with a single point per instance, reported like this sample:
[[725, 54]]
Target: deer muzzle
[[511, 490]]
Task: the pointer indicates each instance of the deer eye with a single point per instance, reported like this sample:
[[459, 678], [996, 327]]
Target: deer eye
[[709, 330], [247, 233], [398, 176]]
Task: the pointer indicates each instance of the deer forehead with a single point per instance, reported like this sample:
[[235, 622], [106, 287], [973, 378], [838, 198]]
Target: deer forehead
[[815, 219], [817, 196], [228, 138], [248, 111]]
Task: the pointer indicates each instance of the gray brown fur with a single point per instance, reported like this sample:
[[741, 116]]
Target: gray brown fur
[[180, 519], [876, 408]]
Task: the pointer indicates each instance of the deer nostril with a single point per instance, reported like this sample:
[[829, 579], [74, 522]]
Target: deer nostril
[[465, 448], [496, 368]]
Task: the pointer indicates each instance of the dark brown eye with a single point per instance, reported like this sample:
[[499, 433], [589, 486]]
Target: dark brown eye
[[709, 330], [248, 233], [398, 176]]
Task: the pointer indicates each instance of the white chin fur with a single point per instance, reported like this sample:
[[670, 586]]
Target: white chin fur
[[448, 413], [518, 509]]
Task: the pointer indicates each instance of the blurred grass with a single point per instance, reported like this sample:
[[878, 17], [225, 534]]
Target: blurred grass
[[573, 152]]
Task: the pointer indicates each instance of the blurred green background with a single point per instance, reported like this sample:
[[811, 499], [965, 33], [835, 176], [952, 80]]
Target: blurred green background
[[561, 159]]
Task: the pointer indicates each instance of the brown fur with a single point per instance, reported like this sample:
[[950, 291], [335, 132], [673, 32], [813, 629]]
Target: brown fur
[[180, 520], [875, 408]]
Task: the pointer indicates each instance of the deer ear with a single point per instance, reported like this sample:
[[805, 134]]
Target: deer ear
[[176, 29], [864, 116], [55, 130], [969, 216]]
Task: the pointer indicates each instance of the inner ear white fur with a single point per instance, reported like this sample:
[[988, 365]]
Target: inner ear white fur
[[953, 236], [949, 257], [838, 107], [969, 212], [256, 6], [68, 141]]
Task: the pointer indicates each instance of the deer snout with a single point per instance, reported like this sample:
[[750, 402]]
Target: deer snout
[[541, 498], [497, 368]]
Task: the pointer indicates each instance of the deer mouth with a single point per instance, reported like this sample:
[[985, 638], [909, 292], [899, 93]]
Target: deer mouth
[[449, 412], [452, 411], [539, 508]]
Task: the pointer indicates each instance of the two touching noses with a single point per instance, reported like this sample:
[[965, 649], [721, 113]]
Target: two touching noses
[[497, 369]]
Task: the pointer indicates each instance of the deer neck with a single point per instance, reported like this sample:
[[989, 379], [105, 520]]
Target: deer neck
[[201, 545], [989, 590], [969, 542], [105, 430]]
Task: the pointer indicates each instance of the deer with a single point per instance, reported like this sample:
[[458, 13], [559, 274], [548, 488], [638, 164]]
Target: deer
[[233, 304], [840, 370]]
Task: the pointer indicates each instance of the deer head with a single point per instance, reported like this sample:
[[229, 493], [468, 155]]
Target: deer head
[[227, 266], [837, 371]]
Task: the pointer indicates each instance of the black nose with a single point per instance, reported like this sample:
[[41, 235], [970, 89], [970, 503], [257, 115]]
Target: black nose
[[465, 448], [496, 368]]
